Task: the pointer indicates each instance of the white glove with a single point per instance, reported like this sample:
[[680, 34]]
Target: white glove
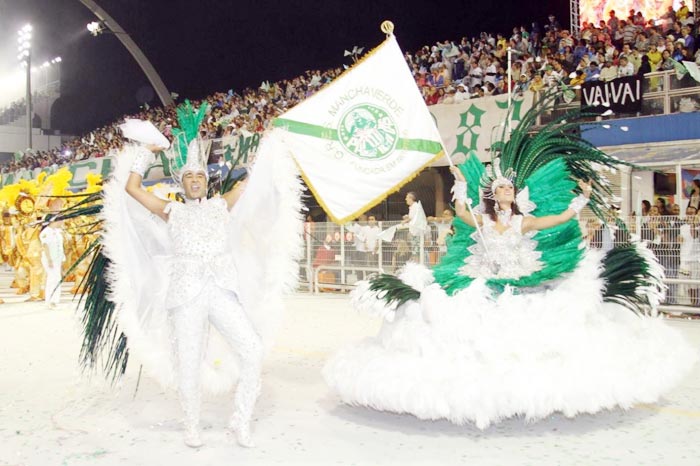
[[459, 191], [578, 203], [144, 160]]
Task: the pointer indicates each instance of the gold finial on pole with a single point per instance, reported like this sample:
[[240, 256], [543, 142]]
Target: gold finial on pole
[[387, 27]]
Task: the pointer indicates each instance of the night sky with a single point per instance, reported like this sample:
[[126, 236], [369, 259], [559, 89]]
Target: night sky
[[202, 46]]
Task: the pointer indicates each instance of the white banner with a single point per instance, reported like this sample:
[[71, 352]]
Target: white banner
[[476, 124], [364, 135]]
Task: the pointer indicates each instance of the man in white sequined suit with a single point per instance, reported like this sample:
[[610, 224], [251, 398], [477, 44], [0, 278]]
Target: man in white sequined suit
[[202, 290]]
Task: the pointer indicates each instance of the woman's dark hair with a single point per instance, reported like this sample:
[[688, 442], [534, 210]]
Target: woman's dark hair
[[490, 205]]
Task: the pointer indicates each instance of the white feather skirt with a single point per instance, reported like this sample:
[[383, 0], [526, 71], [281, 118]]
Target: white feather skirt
[[478, 358]]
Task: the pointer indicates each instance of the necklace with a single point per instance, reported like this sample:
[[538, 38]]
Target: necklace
[[504, 216]]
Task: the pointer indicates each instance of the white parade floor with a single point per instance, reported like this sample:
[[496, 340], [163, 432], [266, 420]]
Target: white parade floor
[[50, 415]]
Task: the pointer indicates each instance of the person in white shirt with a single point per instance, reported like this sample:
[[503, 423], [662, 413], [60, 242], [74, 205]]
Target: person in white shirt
[[358, 257], [626, 68], [491, 71], [609, 71], [476, 74], [416, 223], [52, 258], [690, 258], [461, 95], [371, 232]]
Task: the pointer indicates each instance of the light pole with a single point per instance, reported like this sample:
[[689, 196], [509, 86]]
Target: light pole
[[24, 40]]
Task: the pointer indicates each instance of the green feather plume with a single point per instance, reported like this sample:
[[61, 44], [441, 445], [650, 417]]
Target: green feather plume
[[633, 278], [392, 290], [189, 122]]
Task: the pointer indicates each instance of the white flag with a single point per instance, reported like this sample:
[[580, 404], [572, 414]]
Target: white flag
[[364, 135]]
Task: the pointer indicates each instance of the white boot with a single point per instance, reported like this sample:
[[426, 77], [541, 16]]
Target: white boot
[[243, 436], [242, 431], [192, 437]]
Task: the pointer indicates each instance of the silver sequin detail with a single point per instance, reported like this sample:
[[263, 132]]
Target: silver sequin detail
[[512, 252], [190, 326], [198, 232]]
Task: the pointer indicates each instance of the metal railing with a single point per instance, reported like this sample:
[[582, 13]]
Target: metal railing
[[336, 257]]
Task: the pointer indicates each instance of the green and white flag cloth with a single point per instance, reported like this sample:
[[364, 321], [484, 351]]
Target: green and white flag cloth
[[364, 135], [692, 68], [680, 69]]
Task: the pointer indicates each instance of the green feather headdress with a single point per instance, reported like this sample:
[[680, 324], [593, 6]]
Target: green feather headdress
[[188, 151], [529, 149]]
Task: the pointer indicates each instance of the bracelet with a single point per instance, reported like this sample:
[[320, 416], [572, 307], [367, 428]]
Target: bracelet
[[143, 160], [459, 191], [578, 203]]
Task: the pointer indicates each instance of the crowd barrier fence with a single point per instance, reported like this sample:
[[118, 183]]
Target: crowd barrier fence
[[337, 256]]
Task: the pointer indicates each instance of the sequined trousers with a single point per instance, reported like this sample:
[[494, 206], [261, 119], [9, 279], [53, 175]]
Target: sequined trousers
[[190, 325]]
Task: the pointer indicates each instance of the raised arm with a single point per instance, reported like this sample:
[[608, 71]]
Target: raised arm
[[460, 197], [232, 196], [549, 221], [134, 188]]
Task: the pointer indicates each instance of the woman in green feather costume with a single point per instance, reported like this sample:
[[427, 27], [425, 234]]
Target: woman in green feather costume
[[519, 318]]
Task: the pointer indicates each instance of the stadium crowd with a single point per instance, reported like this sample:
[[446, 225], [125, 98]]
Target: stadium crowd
[[447, 72]]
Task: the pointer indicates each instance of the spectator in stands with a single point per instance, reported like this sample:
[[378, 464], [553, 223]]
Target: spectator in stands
[[553, 25], [661, 206], [613, 21], [432, 97], [682, 12], [694, 200], [652, 231], [537, 83], [359, 255], [444, 228], [625, 68], [461, 95], [667, 19], [645, 67], [416, 222], [688, 39], [592, 72], [655, 58], [655, 38], [609, 71], [629, 32], [371, 233], [475, 74], [689, 267], [325, 255]]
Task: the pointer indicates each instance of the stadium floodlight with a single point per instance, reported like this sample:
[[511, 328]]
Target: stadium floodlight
[[95, 28], [24, 39]]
